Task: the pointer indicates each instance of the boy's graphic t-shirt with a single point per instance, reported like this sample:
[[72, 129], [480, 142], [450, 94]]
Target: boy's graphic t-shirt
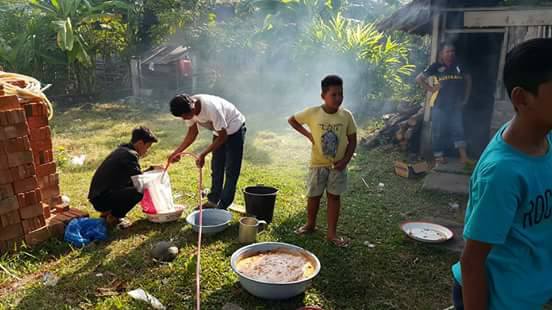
[[451, 80], [330, 133], [510, 207]]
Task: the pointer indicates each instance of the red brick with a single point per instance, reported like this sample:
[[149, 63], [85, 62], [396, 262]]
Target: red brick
[[38, 236], [49, 192], [33, 224], [29, 198], [10, 218], [20, 158], [9, 103], [40, 134], [37, 121], [77, 212], [6, 191], [15, 131], [60, 217], [41, 145], [49, 180], [56, 228], [46, 211], [43, 157], [31, 211], [46, 169], [4, 118], [60, 208], [35, 109], [22, 172], [14, 116], [5, 176], [11, 232], [8, 205], [20, 144], [25, 185], [3, 157]]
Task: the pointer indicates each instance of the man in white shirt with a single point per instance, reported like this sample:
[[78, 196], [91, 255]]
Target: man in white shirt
[[228, 126]]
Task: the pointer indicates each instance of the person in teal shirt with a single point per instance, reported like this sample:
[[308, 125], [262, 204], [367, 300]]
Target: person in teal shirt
[[507, 258]]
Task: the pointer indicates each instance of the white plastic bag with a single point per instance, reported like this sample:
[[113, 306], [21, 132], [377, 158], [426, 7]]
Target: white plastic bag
[[140, 294], [156, 186]]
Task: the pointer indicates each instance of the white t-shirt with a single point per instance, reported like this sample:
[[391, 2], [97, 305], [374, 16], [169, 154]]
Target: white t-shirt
[[217, 114]]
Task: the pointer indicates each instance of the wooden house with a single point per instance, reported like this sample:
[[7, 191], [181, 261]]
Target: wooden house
[[483, 31]]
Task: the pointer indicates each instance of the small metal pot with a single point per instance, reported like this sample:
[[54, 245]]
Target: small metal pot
[[269, 290]]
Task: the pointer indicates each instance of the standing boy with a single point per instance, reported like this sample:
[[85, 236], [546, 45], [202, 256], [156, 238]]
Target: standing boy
[[332, 134], [507, 259]]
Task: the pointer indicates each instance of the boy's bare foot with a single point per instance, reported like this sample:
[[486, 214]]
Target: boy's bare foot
[[341, 242], [305, 229]]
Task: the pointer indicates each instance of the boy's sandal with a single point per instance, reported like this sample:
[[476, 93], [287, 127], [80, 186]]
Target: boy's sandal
[[303, 230], [340, 242], [123, 224]]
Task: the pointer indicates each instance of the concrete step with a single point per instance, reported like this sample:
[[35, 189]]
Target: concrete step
[[453, 166], [446, 182]]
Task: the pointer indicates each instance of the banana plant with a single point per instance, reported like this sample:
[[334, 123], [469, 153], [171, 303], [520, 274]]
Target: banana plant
[[385, 60], [68, 16]]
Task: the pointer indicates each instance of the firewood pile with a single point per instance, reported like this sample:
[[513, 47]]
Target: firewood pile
[[402, 128], [31, 207]]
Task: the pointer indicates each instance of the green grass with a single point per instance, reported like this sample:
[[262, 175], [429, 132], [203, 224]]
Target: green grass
[[397, 274]]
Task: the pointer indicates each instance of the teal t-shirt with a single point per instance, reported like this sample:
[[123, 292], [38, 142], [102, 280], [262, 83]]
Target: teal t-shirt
[[510, 207]]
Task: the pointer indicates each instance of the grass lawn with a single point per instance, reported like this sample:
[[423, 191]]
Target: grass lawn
[[396, 274]]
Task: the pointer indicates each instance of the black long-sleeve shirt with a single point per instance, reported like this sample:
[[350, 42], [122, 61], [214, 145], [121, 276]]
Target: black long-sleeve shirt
[[115, 171]]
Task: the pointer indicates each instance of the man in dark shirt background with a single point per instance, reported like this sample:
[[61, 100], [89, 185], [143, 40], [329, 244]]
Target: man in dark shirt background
[[111, 190], [450, 94]]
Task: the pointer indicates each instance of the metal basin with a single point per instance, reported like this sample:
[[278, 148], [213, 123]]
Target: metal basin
[[214, 220], [268, 290]]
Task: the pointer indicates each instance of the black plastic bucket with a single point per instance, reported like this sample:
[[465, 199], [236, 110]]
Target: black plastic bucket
[[260, 201]]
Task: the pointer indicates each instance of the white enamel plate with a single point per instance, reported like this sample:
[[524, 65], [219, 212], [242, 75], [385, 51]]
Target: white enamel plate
[[427, 232]]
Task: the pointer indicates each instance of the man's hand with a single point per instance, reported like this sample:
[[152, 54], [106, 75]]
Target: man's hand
[[434, 88], [174, 157], [340, 164], [311, 138], [200, 161]]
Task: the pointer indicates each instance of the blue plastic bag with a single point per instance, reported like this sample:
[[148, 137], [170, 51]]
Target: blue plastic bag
[[81, 231]]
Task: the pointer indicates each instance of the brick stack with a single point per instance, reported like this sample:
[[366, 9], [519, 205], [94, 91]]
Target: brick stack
[[41, 145], [21, 210], [29, 184]]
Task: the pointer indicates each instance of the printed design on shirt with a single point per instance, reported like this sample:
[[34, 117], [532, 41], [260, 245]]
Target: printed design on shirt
[[450, 77], [540, 210], [330, 139]]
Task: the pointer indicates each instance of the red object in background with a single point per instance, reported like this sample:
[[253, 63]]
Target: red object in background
[[147, 203], [185, 67]]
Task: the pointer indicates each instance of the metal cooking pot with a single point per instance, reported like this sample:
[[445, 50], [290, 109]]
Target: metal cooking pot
[[269, 290]]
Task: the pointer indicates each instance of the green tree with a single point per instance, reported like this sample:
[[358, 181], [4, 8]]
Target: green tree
[[73, 21]]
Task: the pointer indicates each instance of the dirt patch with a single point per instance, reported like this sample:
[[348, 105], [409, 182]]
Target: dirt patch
[[13, 286]]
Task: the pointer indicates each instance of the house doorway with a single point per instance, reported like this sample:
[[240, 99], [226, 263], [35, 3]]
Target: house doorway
[[480, 53]]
